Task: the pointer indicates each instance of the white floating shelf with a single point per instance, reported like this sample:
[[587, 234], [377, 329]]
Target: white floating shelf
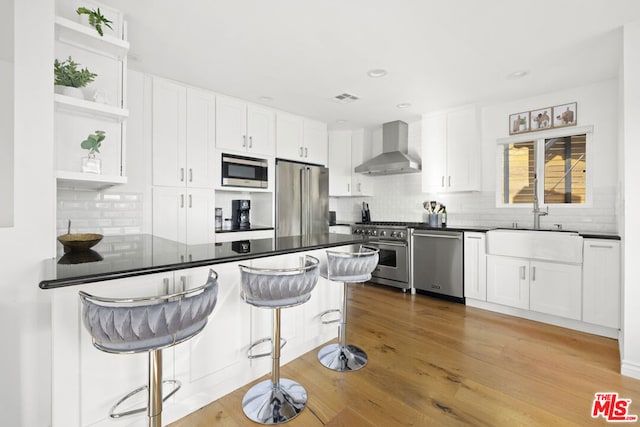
[[77, 105], [88, 181], [88, 38]]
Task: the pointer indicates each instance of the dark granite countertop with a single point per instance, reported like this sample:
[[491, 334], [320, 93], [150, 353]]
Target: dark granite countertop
[[117, 257], [586, 234]]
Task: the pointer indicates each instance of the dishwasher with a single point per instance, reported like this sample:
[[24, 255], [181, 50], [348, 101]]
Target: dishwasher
[[437, 263]]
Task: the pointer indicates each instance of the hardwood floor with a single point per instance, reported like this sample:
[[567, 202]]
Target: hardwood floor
[[432, 362]]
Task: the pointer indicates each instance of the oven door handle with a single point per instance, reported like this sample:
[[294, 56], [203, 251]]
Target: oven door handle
[[387, 244]]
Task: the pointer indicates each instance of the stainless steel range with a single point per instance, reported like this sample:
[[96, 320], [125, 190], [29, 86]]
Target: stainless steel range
[[392, 239]]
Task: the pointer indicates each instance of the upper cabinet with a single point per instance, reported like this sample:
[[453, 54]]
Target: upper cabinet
[[244, 127], [98, 106], [301, 139], [451, 151], [346, 151], [183, 135]]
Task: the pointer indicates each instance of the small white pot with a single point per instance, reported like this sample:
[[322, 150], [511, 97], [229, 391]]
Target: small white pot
[[74, 92]]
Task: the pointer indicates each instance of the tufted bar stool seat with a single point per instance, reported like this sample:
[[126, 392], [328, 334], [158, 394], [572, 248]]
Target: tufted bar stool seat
[[148, 324], [347, 267], [277, 400]]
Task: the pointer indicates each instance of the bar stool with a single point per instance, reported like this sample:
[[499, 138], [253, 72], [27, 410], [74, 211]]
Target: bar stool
[[148, 324], [355, 267], [277, 400]]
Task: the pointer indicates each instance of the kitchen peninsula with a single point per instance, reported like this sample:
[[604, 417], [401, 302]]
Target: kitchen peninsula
[[87, 382]]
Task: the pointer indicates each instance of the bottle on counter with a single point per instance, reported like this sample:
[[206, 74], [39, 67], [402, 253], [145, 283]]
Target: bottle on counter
[[444, 216]]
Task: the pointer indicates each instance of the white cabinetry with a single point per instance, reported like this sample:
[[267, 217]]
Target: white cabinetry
[[346, 151], [360, 183], [601, 282], [183, 135], [103, 106], [451, 143], [184, 214], [475, 266], [544, 287], [301, 139], [244, 127]]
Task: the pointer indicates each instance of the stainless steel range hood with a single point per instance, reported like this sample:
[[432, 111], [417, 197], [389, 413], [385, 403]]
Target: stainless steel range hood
[[394, 158]]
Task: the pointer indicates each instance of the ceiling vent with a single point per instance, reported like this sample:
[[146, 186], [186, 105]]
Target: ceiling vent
[[345, 98]]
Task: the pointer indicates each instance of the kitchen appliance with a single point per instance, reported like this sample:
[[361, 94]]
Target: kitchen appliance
[[332, 217], [392, 240], [241, 171], [438, 263], [302, 199], [240, 214], [218, 218], [394, 158]]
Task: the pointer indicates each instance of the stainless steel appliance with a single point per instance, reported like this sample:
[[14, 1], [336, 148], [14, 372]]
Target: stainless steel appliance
[[394, 158], [392, 239], [302, 199], [240, 214], [438, 263], [241, 171]]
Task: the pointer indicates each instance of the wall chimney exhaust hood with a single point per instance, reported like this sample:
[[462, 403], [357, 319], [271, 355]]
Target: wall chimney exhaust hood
[[394, 158]]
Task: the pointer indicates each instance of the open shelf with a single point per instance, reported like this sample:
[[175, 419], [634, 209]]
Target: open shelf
[[76, 105], [87, 38], [88, 181]]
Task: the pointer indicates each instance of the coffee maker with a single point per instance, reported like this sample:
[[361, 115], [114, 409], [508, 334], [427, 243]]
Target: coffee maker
[[240, 214]]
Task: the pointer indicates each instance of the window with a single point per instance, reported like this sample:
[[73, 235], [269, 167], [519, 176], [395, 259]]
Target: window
[[561, 171]]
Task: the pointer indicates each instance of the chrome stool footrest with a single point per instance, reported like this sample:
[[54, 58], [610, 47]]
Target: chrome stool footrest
[[112, 414], [342, 358], [283, 342], [327, 312]]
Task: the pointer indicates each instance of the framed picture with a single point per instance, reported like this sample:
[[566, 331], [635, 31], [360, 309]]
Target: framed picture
[[519, 123], [565, 115], [541, 119]]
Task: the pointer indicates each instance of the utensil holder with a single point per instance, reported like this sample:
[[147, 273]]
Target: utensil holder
[[435, 220]]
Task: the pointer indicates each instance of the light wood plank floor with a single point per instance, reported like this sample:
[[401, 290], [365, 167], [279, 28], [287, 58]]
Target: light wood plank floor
[[432, 362]]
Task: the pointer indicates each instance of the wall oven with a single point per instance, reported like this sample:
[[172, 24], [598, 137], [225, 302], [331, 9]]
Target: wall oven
[[241, 171]]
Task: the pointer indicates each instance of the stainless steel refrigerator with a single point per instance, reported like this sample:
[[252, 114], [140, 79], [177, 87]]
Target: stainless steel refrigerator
[[302, 199]]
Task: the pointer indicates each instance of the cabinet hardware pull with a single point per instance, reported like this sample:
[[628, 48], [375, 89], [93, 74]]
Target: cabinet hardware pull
[[250, 142], [244, 141], [474, 237], [449, 180], [301, 152], [522, 272], [182, 200], [165, 286], [601, 246], [181, 174], [359, 187], [348, 188], [190, 200], [533, 273], [306, 152], [190, 175], [442, 181], [183, 280], [181, 258]]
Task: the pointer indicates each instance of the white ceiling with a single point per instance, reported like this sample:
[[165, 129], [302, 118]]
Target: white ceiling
[[438, 54]]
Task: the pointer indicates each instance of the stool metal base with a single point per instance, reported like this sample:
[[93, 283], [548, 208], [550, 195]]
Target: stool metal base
[[265, 403], [342, 358]]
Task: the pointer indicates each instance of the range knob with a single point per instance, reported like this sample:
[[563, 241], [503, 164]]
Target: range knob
[[374, 232], [400, 235], [393, 234], [367, 232], [383, 233]]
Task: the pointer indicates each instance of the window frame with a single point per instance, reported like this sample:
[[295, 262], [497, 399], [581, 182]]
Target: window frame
[[538, 138]]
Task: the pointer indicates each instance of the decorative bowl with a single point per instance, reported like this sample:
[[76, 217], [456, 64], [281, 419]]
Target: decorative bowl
[[79, 241]]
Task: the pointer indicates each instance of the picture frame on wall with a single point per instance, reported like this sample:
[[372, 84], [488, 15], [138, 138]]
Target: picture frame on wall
[[519, 123], [541, 119], [565, 115]]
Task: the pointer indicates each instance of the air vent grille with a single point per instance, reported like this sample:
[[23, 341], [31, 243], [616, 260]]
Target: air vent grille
[[345, 98]]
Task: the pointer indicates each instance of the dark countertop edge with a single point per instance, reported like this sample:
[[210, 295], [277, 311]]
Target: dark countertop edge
[[243, 230], [93, 278], [344, 224], [585, 235]]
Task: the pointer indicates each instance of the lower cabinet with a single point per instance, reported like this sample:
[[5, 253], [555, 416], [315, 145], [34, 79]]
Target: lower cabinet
[[544, 287], [601, 282], [475, 266]]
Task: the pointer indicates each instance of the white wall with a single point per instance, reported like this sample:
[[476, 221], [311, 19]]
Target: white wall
[[631, 229], [400, 197], [24, 316], [6, 142]]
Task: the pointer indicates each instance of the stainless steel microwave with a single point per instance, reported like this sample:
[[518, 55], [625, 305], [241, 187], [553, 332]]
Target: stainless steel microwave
[[241, 171]]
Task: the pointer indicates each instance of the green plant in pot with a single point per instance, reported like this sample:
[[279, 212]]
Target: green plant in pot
[[67, 75], [96, 19], [91, 163]]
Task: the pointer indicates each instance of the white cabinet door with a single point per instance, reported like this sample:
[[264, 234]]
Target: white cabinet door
[[169, 152], [200, 136], [315, 142], [231, 124], [340, 163], [360, 183], [261, 130], [434, 149], [475, 266], [508, 281], [200, 216], [601, 282], [289, 136], [169, 213], [463, 150], [556, 289]]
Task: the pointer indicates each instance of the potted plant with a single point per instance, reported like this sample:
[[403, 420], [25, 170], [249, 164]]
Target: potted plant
[[69, 79], [96, 19], [93, 143]]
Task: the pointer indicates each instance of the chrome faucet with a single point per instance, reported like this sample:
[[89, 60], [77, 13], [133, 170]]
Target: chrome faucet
[[537, 213]]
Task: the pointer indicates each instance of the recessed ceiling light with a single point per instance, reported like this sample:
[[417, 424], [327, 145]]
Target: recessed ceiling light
[[266, 98], [404, 105], [377, 72], [517, 74]]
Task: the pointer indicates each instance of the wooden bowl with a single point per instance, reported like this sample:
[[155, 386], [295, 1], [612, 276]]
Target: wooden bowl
[[79, 242]]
